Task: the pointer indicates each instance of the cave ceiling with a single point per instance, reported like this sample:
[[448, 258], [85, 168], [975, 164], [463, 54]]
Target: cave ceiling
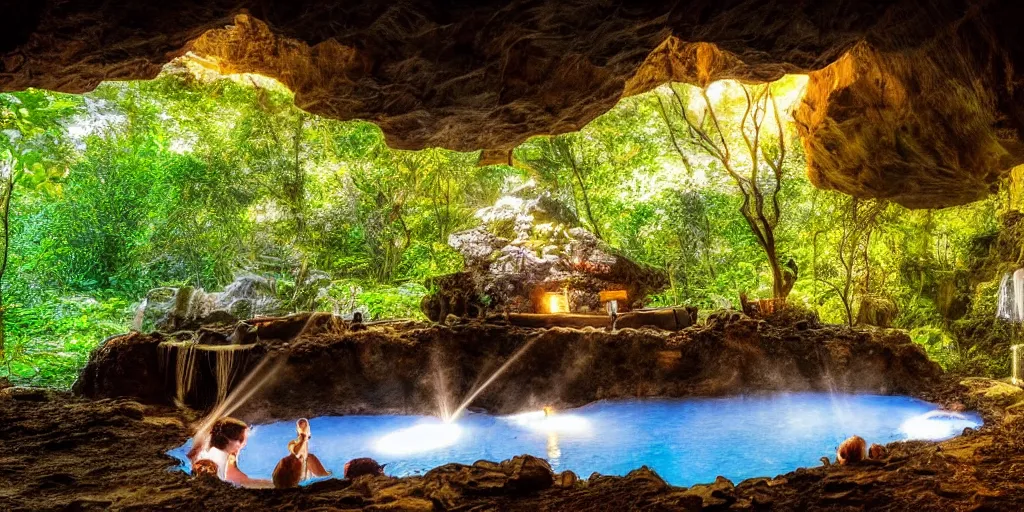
[[917, 101]]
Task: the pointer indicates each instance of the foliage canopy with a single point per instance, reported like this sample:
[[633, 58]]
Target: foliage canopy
[[192, 178]]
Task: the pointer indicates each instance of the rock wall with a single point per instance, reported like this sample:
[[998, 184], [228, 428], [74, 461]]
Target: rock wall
[[414, 368], [916, 101]]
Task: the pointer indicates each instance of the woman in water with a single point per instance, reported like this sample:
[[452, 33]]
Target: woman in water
[[225, 440], [299, 464]]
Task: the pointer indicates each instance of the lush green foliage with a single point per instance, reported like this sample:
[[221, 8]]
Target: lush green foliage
[[192, 179]]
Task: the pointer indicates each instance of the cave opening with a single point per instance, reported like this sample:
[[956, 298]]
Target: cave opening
[[647, 242]]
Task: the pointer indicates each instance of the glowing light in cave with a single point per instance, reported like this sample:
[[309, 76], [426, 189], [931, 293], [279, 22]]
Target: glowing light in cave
[[936, 425], [553, 303], [547, 422], [556, 302], [424, 437]]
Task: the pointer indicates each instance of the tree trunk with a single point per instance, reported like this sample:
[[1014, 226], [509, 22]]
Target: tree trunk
[[8, 191], [779, 290]]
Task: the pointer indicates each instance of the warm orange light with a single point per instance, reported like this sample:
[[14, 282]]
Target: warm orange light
[[609, 295], [556, 302]]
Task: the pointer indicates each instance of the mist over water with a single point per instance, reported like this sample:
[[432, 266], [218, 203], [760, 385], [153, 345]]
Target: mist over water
[[686, 441]]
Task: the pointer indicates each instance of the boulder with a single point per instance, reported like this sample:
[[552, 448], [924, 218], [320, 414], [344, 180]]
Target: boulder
[[170, 309], [526, 247]]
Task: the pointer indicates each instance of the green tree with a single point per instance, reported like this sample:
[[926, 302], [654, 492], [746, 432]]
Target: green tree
[[744, 133], [33, 153]]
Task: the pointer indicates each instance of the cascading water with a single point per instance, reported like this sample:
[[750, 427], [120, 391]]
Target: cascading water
[[1006, 306], [226, 366], [1015, 369], [1010, 307], [1018, 293], [184, 356], [140, 315], [439, 378]]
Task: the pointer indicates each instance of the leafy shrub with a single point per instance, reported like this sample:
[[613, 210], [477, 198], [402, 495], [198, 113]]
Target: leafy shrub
[[376, 302], [49, 343]]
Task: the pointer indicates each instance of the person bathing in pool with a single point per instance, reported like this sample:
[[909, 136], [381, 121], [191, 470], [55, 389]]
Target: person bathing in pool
[[221, 447], [299, 464], [314, 468]]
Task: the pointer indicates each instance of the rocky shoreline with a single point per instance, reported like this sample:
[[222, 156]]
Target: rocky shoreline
[[60, 452], [92, 451]]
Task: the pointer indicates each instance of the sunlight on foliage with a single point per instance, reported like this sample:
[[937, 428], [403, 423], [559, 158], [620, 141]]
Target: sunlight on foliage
[[195, 177]]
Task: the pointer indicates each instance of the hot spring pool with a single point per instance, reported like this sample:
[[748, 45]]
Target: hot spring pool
[[686, 441]]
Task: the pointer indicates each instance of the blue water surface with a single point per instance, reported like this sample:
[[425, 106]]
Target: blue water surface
[[686, 441]]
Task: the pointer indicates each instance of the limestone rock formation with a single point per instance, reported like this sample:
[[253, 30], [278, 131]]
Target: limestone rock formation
[[169, 309], [919, 102], [406, 367], [524, 249]]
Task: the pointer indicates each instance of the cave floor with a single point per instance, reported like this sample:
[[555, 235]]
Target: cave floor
[[58, 452]]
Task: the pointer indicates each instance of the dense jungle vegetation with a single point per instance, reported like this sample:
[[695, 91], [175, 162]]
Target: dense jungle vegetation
[[192, 178]]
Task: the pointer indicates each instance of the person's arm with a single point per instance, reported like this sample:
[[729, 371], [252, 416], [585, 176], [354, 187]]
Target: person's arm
[[237, 477]]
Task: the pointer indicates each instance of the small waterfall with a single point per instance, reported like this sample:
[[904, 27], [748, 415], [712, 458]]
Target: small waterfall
[[1006, 308], [140, 316], [439, 378], [1010, 307], [185, 358], [225, 368], [1015, 370], [1018, 293], [183, 355]]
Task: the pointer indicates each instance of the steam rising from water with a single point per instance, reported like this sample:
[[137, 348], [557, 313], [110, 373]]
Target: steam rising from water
[[479, 389], [935, 425], [252, 382]]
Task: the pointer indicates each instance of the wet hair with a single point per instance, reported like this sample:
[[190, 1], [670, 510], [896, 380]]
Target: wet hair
[[356, 468], [226, 430], [877, 452], [853, 449]]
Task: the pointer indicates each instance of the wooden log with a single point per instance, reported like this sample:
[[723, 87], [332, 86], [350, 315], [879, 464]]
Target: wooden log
[[669, 319], [543, 320]]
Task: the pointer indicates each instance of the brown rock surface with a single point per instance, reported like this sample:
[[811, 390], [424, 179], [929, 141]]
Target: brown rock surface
[[915, 101], [408, 368], [62, 453]]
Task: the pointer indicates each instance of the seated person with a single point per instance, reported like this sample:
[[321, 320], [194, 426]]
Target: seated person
[[356, 468], [221, 446], [852, 450], [299, 464], [314, 468]]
